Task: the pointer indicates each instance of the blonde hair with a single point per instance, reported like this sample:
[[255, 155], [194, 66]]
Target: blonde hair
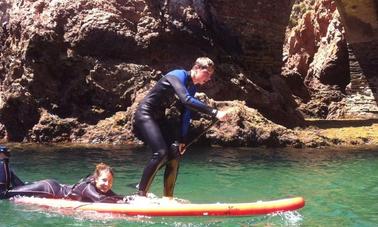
[[102, 167], [204, 63]]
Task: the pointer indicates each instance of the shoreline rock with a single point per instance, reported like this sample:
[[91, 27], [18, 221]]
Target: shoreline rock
[[247, 128]]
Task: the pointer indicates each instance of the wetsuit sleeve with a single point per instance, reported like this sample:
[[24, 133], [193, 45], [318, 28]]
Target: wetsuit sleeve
[[188, 100], [4, 177], [15, 180], [90, 194], [185, 122]]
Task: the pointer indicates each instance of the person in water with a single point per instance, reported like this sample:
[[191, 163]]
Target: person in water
[[97, 187], [8, 179], [94, 188], [150, 116]]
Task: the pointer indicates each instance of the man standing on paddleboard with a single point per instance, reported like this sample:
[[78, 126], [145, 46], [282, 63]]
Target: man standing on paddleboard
[[150, 115]]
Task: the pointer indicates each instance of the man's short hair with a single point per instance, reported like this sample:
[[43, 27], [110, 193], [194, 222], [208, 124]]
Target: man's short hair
[[204, 63]]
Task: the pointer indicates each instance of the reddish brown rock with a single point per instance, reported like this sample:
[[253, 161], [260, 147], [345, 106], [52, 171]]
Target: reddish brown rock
[[51, 128], [78, 65], [317, 64]]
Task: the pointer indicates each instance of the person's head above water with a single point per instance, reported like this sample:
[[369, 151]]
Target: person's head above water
[[202, 70], [4, 152], [103, 177]]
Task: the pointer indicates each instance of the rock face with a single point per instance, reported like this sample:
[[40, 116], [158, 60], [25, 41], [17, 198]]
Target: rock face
[[330, 58], [4, 7], [361, 24], [317, 65], [75, 70], [71, 70]]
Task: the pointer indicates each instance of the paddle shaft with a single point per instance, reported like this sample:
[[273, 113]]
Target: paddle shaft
[[199, 136]]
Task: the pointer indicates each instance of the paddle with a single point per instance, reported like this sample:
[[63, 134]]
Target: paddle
[[199, 136]]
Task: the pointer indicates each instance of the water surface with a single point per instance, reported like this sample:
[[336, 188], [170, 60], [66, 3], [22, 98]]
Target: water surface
[[340, 186]]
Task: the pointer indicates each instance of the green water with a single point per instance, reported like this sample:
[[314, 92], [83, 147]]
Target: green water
[[340, 187]]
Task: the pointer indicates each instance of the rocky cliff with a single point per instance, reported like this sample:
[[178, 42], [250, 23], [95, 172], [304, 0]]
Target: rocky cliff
[[74, 70], [360, 19], [330, 58], [316, 64], [69, 66]]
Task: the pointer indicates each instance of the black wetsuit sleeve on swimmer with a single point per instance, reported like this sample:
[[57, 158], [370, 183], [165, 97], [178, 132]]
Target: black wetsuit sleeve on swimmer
[[90, 194], [188, 100], [4, 177], [15, 180], [8, 179]]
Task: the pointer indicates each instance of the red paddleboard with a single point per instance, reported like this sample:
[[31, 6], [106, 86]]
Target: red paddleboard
[[171, 208]]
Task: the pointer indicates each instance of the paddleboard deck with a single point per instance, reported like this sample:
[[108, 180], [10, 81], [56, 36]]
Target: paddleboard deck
[[171, 208]]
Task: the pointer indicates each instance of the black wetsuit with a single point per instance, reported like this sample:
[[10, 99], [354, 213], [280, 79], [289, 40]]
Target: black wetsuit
[[8, 178], [48, 188], [148, 119], [85, 190]]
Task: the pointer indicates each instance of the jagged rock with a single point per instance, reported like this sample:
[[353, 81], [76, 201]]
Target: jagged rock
[[246, 127], [3, 133], [74, 70], [18, 113], [110, 130], [330, 65], [316, 65], [51, 128], [117, 129], [84, 62], [5, 5]]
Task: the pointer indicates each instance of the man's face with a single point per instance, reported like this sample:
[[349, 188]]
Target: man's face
[[202, 75], [104, 181]]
